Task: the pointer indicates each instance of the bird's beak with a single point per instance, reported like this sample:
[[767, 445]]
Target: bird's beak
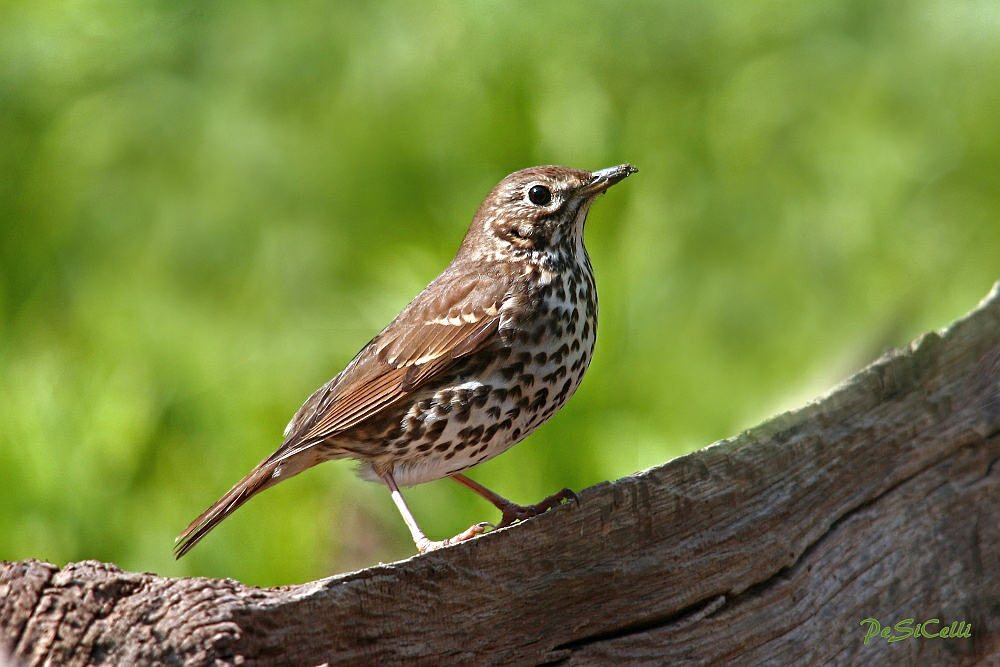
[[603, 179]]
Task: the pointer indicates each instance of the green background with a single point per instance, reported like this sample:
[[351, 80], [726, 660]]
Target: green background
[[206, 209]]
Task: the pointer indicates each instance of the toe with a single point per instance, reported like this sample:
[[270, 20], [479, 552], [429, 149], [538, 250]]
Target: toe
[[425, 545]]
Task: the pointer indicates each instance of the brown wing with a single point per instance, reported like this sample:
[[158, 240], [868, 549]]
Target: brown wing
[[455, 316]]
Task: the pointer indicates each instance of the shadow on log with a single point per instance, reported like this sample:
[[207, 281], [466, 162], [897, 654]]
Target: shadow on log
[[880, 500]]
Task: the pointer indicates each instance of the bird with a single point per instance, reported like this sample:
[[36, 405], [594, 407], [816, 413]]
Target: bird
[[483, 356]]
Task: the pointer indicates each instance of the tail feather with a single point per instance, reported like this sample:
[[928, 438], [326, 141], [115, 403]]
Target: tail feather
[[269, 472]]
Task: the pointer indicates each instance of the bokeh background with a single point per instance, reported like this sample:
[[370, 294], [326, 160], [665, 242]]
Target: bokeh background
[[207, 208]]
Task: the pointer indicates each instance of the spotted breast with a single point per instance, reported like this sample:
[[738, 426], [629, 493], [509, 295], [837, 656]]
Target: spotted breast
[[503, 393]]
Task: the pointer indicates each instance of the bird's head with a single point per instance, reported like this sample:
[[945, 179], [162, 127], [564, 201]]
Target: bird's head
[[538, 210]]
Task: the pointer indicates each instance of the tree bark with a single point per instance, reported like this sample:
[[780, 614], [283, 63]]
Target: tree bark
[[880, 500]]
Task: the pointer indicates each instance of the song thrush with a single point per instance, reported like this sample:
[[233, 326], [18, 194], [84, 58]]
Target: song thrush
[[492, 348]]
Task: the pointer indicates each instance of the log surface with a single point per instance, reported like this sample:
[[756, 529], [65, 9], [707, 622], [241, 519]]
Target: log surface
[[880, 500]]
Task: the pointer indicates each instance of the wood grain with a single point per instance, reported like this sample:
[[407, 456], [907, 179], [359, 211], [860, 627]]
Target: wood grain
[[881, 499]]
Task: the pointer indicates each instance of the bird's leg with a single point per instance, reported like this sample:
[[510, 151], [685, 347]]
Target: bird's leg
[[511, 511], [423, 544]]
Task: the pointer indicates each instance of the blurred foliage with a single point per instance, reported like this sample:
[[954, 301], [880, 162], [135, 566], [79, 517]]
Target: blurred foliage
[[207, 208]]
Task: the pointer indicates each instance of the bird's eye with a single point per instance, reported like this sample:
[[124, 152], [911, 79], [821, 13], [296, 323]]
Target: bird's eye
[[539, 195]]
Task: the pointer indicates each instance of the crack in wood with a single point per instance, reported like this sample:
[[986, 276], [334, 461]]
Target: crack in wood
[[34, 611], [681, 618]]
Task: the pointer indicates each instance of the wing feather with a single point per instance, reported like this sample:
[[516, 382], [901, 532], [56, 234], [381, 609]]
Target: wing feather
[[420, 344]]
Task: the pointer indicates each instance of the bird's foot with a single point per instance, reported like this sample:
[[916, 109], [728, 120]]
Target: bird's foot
[[512, 512], [424, 545]]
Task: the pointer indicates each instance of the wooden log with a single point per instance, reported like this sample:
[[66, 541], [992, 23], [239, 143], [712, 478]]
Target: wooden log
[[878, 501]]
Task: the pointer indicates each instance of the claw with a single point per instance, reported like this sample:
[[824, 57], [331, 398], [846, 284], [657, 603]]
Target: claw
[[567, 494]]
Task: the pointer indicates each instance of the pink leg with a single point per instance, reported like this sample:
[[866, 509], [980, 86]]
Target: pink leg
[[423, 544], [511, 511]]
